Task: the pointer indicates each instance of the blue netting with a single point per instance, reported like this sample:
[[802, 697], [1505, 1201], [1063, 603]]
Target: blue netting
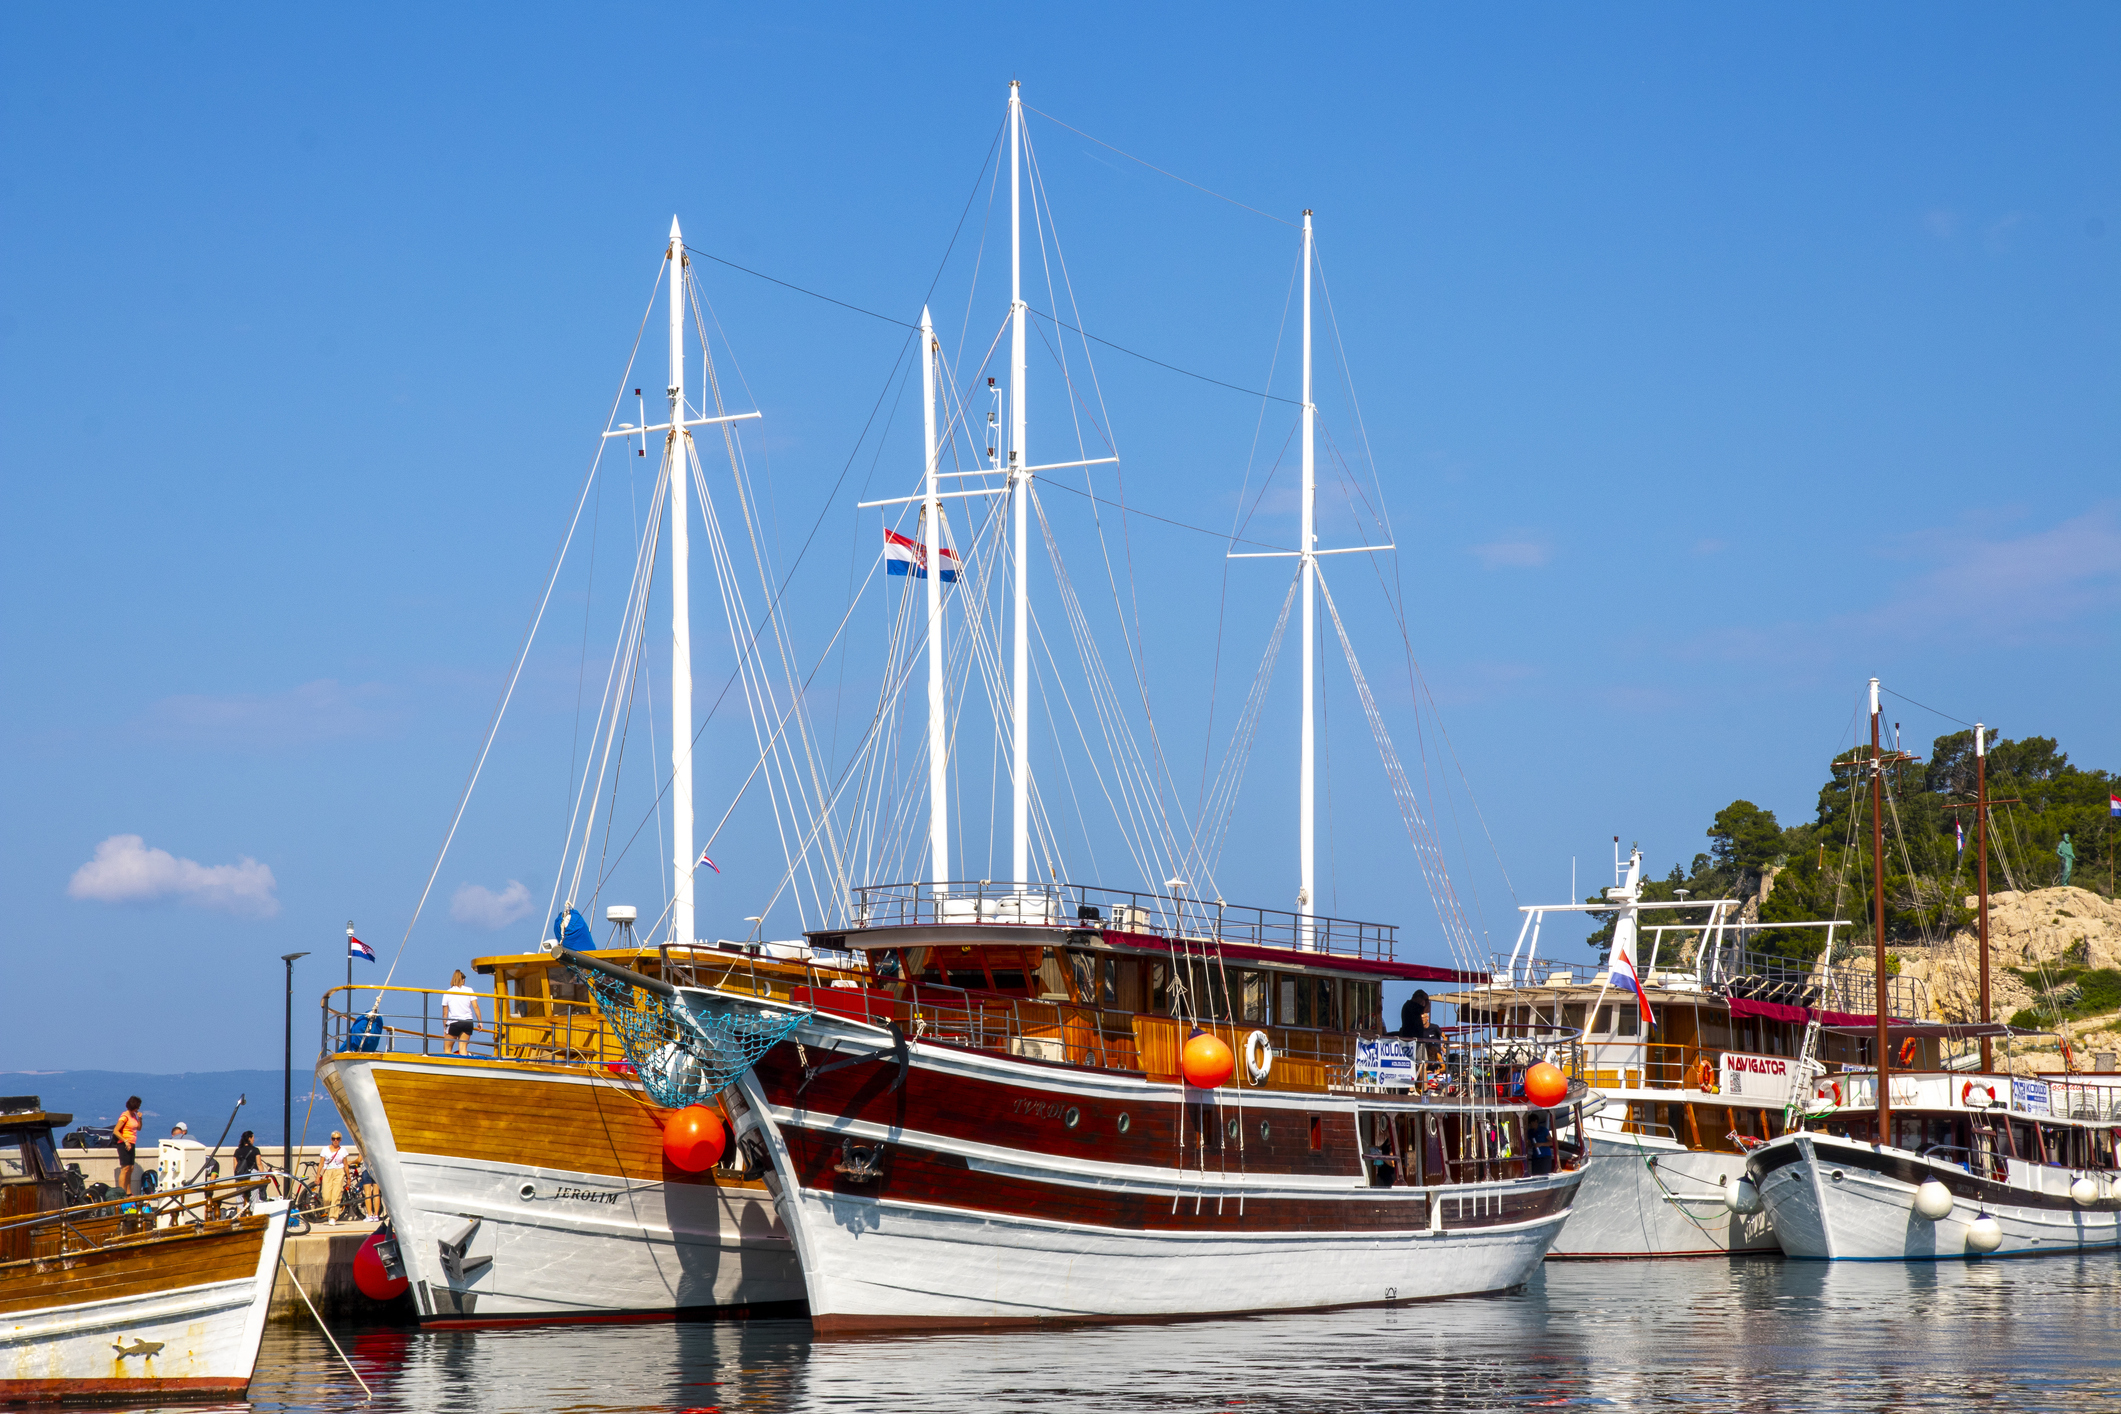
[[688, 1049]]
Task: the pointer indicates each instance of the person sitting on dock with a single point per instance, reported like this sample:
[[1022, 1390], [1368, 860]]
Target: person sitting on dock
[[367, 1197], [125, 1134], [460, 1009]]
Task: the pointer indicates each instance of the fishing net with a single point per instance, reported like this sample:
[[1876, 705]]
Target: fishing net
[[687, 1049]]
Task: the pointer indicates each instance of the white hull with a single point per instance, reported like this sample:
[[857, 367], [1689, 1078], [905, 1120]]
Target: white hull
[[1643, 1196], [488, 1241], [207, 1337], [1833, 1203], [952, 1267]]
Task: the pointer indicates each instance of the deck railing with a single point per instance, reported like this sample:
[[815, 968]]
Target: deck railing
[[1122, 910], [1731, 971]]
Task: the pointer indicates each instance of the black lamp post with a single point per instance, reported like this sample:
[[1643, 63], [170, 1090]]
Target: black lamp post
[[287, 1076]]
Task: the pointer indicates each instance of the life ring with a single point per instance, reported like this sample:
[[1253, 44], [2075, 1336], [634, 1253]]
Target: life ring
[[1966, 1093], [1833, 1085], [1907, 1052], [1259, 1057]]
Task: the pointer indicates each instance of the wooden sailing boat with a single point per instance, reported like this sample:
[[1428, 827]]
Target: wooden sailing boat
[[1001, 1125], [527, 1180], [161, 1297], [1899, 1163]]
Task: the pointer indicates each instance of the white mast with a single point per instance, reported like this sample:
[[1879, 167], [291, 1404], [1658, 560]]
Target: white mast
[[932, 546], [1306, 895], [1020, 493], [681, 924]]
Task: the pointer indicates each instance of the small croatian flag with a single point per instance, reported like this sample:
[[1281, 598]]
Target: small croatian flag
[[356, 948], [708, 862], [905, 556], [1959, 826], [1621, 965], [2113, 805]]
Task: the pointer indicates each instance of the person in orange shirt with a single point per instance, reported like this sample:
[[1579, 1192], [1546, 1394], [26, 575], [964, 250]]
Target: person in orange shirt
[[125, 1134]]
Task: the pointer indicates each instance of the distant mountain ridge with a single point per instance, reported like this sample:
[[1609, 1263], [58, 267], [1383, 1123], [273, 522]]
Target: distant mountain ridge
[[201, 1098]]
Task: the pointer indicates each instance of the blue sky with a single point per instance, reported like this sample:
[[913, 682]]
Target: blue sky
[[1712, 360]]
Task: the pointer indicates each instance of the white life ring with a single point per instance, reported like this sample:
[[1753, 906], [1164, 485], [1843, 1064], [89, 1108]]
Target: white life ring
[[1970, 1090], [1259, 1057]]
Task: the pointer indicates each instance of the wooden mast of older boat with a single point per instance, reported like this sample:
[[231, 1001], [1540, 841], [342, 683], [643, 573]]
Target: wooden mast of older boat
[[1988, 1052]]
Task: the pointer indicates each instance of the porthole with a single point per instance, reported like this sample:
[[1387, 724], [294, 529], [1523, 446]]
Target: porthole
[[1125, 1124], [527, 1192], [1263, 1131], [1073, 1117], [1233, 1129]]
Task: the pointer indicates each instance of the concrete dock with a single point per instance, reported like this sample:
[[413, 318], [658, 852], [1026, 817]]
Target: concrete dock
[[322, 1260]]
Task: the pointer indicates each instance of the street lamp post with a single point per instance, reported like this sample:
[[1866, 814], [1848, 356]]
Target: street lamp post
[[287, 1076]]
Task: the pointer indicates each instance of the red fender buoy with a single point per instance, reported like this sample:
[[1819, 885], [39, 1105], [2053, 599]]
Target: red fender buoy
[[1545, 1085], [1205, 1061], [368, 1274]]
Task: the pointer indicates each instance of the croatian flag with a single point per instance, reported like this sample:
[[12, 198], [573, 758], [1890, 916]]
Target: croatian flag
[[904, 556], [1621, 969], [708, 862], [1959, 826], [2113, 805], [356, 948]]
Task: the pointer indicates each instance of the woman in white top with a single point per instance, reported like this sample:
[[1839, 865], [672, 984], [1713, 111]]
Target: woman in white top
[[460, 1008]]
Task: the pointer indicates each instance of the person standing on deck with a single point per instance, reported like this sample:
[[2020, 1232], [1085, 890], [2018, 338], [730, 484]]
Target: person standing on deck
[[460, 1009], [125, 1135]]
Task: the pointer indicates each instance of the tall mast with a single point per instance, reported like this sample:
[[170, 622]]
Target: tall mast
[[681, 925], [1019, 495], [932, 546], [1308, 548], [1885, 1104], [1988, 1051]]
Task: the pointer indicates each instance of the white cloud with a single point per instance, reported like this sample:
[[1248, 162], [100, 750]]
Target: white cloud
[[480, 907], [125, 870], [315, 711], [1513, 554]]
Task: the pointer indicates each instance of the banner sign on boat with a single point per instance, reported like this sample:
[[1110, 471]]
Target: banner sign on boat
[[1383, 1061], [2030, 1096], [1765, 1078]]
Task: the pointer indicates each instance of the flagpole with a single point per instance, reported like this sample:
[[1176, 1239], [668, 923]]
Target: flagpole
[[349, 964]]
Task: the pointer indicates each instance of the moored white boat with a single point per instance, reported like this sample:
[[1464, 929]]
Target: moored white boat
[[2032, 1172]]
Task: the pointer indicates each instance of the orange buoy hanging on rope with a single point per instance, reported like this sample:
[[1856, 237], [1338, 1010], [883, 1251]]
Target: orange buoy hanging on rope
[[693, 1139], [1545, 1085], [1205, 1060]]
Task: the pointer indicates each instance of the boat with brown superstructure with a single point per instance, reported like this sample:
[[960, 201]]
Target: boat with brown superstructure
[[160, 1297]]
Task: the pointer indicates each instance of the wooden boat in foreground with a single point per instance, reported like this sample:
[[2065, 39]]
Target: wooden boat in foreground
[[161, 1297], [527, 1183]]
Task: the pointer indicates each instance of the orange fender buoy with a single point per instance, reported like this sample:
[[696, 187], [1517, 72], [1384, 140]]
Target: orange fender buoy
[[1206, 1062], [694, 1138], [1545, 1085]]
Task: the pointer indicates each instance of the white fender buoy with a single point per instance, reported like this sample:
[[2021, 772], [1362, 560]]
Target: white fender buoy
[[1984, 1234], [2084, 1192], [1742, 1197], [1932, 1200]]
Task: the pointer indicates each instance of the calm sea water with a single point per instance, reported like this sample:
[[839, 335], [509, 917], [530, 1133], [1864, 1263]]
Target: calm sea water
[[1759, 1335]]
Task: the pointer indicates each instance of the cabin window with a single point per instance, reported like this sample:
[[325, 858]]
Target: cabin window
[[1255, 996], [1285, 1004], [1626, 1021], [1052, 977], [1602, 1023], [1006, 968], [14, 1160], [888, 965], [1318, 1134], [1160, 988], [1572, 1016], [525, 996]]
